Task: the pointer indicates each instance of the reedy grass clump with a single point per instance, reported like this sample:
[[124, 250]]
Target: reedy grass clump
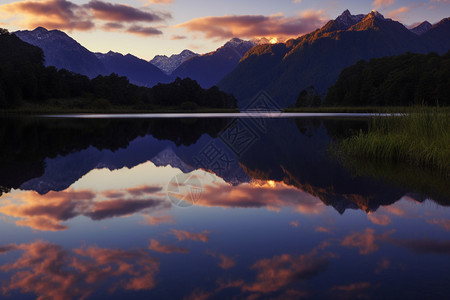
[[421, 138]]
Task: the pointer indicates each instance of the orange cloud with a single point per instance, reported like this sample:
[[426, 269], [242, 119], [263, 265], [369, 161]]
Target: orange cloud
[[395, 14], [225, 262], [256, 195], [353, 287], [47, 212], [186, 235], [294, 224], [384, 264], [135, 268], [444, 223], [157, 220], [322, 229], [276, 273], [167, 249], [365, 241], [377, 4], [379, 219], [252, 26]]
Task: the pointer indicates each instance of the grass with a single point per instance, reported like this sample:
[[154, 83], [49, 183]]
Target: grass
[[420, 138]]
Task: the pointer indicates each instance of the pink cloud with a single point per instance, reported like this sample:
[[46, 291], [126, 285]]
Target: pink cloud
[[167, 249], [251, 26], [186, 235]]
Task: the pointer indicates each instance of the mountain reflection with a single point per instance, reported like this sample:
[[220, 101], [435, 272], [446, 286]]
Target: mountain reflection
[[97, 218]]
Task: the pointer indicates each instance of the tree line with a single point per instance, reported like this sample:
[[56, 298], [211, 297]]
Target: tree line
[[404, 80], [24, 78]]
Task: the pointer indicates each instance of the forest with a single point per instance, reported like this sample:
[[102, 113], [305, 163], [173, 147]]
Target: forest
[[404, 80], [24, 80]]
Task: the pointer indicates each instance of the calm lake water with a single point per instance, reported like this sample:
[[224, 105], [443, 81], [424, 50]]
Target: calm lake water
[[218, 207]]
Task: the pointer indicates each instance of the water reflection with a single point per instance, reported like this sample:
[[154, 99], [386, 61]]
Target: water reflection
[[90, 217]]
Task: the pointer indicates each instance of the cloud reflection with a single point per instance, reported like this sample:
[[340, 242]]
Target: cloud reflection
[[51, 272], [47, 212]]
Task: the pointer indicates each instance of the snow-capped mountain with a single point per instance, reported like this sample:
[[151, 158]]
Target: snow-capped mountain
[[421, 28], [169, 64]]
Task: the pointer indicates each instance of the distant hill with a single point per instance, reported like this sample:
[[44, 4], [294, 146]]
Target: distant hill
[[421, 28], [438, 37], [316, 59], [63, 52], [208, 69], [397, 81], [169, 64], [25, 81], [138, 71]]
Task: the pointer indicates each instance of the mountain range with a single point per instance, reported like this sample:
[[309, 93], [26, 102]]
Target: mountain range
[[244, 68], [138, 71], [316, 59], [61, 51], [169, 64], [208, 69]]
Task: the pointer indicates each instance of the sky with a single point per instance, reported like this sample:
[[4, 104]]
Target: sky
[[146, 28]]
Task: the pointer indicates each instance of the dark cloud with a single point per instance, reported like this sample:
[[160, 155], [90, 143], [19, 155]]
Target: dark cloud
[[120, 207], [66, 15], [122, 13]]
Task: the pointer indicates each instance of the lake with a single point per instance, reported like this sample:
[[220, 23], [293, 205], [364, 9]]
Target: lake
[[253, 206]]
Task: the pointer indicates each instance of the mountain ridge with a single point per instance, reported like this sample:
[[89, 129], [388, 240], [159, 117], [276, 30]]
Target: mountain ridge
[[316, 59]]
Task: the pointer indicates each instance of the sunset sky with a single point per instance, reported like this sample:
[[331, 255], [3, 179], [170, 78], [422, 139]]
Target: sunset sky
[[149, 27]]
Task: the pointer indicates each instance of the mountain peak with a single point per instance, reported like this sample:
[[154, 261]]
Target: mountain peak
[[421, 28], [40, 29], [374, 15]]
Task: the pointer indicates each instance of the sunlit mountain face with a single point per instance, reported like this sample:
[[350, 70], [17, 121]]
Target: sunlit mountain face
[[248, 208]]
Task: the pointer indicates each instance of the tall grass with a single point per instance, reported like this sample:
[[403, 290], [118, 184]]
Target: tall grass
[[421, 138]]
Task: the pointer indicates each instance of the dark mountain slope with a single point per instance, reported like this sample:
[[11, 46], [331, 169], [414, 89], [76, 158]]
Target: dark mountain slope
[[63, 52], [316, 59]]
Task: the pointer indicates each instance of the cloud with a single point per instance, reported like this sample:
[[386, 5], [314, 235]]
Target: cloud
[[395, 14], [51, 272], [8, 248], [225, 262], [384, 264], [352, 287], [294, 224], [157, 220], [186, 235], [122, 13], [160, 1], [143, 31], [379, 219], [178, 37], [258, 195], [167, 249], [59, 14], [66, 15], [253, 26], [119, 207], [364, 241], [47, 212], [444, 223], [322, 229], [275, 273], [377, 4]]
